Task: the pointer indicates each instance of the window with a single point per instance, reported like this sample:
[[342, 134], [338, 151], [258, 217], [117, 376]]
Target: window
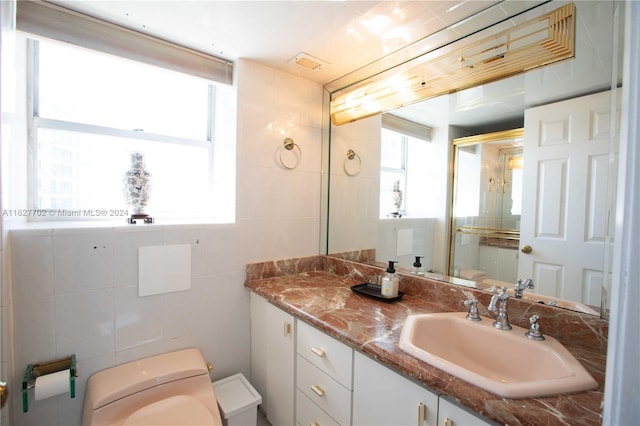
[[393, 173], [408, 161], [90, 110]]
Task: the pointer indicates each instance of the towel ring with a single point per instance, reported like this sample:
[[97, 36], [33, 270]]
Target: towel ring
[[351, 155], [289, 144]]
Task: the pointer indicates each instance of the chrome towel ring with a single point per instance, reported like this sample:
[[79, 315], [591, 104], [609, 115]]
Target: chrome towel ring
[[289, 145], [352, 163]]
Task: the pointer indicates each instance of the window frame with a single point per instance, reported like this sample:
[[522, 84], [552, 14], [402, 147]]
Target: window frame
[[35, 122], [401, 171]]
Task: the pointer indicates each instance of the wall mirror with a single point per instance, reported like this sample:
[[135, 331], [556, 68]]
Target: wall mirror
[[357, 225]]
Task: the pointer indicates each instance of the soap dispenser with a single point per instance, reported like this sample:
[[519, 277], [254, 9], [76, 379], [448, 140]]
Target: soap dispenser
[[390, 281], [417, 266]]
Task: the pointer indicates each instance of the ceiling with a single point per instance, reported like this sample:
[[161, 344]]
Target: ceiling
[[349, 34], [345, 34]]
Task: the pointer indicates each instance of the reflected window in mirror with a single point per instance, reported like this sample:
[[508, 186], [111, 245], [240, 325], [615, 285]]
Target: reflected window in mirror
[[467, 184], [393, 173], [407, 169]]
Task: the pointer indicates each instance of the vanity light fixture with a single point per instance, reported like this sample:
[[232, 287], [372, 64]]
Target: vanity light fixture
[[540, 41]]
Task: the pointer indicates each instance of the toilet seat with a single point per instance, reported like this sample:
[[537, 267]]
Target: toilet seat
[[175, 410]]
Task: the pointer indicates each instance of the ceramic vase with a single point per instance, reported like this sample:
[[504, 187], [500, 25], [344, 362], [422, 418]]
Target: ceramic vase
[[397, 197], [137, 185]]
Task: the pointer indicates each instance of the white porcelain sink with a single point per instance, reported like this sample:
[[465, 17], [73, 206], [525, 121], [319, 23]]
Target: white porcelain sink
[[506, 363]]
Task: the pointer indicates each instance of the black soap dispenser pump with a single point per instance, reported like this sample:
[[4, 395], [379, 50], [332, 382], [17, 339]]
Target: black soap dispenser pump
[[417, 266], [390, 281]]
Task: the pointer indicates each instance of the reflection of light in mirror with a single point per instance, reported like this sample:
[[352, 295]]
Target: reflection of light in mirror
[[515, 162], [516, 190], [455, 6], [469, 204], [397, 33], [485, 59], [398, 83], [354, 33], [370, 105]]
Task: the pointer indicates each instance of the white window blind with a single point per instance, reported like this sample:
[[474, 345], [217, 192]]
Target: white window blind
[[406, 127], [47, 20]]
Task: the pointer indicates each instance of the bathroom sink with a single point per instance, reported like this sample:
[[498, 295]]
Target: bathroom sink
[[506, 363]]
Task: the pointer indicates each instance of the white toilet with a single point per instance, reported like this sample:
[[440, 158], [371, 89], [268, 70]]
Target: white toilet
[[167, 389]]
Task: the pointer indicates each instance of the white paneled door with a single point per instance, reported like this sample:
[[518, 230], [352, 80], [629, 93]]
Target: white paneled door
[[564, 207]]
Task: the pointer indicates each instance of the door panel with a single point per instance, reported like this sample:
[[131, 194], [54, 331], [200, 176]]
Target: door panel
[[564, 219]]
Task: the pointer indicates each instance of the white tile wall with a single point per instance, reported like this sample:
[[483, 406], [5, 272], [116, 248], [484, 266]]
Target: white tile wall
[[75, 290]]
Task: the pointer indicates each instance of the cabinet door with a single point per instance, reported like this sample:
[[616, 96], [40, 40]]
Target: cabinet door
[[450, 414], [384, 397], [272, 359]]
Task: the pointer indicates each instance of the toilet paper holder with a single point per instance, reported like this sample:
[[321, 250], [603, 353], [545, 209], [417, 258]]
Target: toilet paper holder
[[34, 371]]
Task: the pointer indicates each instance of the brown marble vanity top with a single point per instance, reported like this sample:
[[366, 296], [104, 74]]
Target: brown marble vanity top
[[317, 290]]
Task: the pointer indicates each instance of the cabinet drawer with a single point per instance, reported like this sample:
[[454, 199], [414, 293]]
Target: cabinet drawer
[[451, 414], [326, 353], [309, 414], [324, 391]]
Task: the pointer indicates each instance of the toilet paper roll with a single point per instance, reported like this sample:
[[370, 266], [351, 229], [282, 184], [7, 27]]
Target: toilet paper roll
[[51, 384]]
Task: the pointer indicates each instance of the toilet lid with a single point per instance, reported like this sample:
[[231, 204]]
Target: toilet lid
[[176, 410]]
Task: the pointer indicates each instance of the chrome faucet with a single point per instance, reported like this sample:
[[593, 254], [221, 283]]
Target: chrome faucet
[[473, 309], [521, 285], [534, 332], [498, 305]]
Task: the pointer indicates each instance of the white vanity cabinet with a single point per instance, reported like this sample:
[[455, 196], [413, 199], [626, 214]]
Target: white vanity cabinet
[[272, 359], [323, 378], [384, 397], [306, 377]]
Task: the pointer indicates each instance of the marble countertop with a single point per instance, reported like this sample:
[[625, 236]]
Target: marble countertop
[[324, 299]]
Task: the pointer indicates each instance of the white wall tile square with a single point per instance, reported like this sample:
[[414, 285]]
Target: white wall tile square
[[138, 321], [84, 323], [34, 338], [83, 261], [32, 265]]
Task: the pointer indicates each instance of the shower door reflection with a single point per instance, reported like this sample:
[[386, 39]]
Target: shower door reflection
[[487, 198]]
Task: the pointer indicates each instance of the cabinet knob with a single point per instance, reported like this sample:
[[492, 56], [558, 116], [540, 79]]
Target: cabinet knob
[[448, 422], [287, 329], [318, 351]]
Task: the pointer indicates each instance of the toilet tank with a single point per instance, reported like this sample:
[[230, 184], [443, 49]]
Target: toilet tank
[[115, 393]]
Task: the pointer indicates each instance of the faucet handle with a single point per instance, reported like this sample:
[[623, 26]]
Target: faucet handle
[[534, 332], [521, 285], [473, 309]]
